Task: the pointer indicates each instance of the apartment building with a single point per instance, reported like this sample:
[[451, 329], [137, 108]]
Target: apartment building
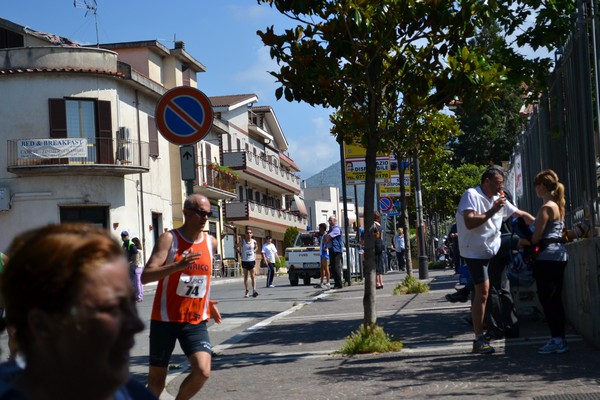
[[268, 189], [80, 138]]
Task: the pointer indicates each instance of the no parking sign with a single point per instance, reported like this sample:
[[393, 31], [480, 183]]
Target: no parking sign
[[184, 115], [385, 204]]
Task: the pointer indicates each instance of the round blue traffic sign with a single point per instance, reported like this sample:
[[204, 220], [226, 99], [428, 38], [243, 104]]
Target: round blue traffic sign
[[184, 115], [385, 204]]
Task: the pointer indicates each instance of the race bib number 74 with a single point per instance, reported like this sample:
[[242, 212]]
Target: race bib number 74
[[193, 286]]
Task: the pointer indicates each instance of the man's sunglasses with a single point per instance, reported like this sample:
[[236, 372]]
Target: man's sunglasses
[[202, 213]]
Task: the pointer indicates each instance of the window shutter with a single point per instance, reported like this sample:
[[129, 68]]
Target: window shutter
[[104, 136], [58, 118], [152, 137]]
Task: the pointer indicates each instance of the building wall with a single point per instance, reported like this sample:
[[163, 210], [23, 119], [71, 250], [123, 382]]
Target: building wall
[[28, 106]]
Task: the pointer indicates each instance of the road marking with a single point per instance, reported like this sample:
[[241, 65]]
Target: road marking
[[258, 326]]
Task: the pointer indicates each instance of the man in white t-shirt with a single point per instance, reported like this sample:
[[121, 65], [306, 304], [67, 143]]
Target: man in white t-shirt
[[479, 217], [269, 256]]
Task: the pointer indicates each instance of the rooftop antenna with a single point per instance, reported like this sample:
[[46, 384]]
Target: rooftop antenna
[[91, 6]]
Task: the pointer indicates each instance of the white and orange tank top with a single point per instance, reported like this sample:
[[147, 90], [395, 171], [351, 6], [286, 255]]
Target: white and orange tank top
[[184, 295]]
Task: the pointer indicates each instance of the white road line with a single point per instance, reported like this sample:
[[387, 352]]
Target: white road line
[[240, 336]]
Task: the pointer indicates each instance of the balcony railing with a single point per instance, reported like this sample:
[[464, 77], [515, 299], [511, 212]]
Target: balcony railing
[[262, 169], [217, 184], [220, 180], [108, 155], [249, 210]]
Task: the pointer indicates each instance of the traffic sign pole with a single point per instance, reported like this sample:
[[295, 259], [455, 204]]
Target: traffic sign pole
[[188, 167]]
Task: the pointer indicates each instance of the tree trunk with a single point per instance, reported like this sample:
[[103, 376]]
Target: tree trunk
[[370, 311]]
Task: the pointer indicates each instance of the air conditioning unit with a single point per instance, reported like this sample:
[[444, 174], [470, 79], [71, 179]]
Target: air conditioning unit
[[123, 133]]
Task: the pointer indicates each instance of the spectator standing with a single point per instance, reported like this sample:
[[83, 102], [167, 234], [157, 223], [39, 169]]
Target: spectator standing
[[139, 267], [247, 249], [453, 239], [181, 262], [269, 256], [550, 262], [324, 257], [74, 315], [335, 246], [479, 217], [379, 248], [399, 247], [10, 330], [131, 253]]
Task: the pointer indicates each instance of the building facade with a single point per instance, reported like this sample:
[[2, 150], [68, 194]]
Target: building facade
[[81, 140], [268, 188]]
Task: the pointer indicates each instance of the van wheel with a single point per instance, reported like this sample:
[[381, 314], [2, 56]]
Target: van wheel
[[293, 280], [306, 280]]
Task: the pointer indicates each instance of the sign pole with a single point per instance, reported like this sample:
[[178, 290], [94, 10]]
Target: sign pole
[[346, 238], [189, 187]]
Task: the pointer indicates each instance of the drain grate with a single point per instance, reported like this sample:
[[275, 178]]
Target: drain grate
[[579, 396]]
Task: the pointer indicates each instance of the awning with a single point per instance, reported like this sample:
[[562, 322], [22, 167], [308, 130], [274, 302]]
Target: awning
[[298, 205]]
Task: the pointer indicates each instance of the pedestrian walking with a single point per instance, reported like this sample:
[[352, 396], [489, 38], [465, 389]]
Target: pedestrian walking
[[269, 256]]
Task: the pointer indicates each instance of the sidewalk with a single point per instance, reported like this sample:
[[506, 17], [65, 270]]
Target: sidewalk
[[292, 356]]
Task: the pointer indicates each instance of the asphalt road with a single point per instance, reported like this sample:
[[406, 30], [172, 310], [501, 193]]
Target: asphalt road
[[239, 315]]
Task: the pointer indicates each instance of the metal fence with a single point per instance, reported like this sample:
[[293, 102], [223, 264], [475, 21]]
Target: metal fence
[[562, 131]]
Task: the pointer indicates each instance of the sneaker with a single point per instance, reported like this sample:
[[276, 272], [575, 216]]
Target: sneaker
[[554, 346], [328, 286], [482, 346], [461, 295], [271, 285], [247, 294], [255, 294]]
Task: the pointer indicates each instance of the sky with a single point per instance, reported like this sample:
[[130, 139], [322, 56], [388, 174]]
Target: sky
[[221, 34]]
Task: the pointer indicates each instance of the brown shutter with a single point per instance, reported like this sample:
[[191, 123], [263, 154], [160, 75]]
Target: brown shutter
[[58, 118], [152, 137], [57, 112], [104, 136]]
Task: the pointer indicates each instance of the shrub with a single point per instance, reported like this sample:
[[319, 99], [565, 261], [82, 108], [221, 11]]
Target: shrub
[[279, 262], [410, 284], [436, 265], [370, 339]]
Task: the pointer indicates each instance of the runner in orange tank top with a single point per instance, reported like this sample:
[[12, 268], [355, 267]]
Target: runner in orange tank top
[[191, 284], [181, 261]]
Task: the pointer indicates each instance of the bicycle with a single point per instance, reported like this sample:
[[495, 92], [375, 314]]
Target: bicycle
[[392, 260]]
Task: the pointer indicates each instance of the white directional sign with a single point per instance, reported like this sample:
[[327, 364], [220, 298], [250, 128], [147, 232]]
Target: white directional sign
[[188, 162]]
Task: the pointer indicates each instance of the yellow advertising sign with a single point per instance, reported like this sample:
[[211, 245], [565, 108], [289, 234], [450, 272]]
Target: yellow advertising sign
[[356, 170], [391, 187], [354, 151], [386, 174]]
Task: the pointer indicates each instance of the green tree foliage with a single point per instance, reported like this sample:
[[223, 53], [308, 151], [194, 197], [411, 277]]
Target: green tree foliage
[[381, 62], [289, 237], [492, 129]]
